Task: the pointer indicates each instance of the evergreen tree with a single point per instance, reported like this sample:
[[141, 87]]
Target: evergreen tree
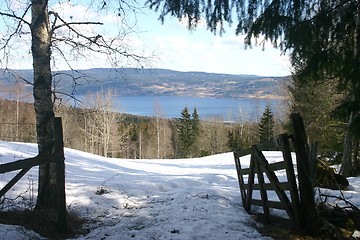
[[195, 122], [266, 125], [196, 131], [185, 132], [189, 127], [321, 126], [322, 37], [234, 140]]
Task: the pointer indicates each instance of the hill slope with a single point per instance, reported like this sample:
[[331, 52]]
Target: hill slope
[[145, 199], [159, 82], [194, 198]]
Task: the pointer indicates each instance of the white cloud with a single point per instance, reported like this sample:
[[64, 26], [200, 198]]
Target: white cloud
[[70, 11], [194, 52], [176, 47]]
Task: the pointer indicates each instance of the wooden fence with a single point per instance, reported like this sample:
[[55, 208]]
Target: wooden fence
[[299, 203], [57, 156]]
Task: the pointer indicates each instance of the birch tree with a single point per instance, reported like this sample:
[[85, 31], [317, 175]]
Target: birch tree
[[101, 130], [50, 35]]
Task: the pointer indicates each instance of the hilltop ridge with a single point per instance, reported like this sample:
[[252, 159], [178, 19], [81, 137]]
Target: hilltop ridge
[[158, 82]]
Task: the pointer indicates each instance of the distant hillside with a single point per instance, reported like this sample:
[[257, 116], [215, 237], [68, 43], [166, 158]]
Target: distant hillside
[[157, 82]]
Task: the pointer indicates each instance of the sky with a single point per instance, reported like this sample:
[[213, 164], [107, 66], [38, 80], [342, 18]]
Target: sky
[[171, 44], [201, 50]]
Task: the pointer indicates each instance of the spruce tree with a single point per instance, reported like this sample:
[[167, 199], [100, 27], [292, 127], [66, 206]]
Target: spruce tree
[[234, 140], [321, 37], [266, 125], [185, 132], [195, 122], [188, 130]]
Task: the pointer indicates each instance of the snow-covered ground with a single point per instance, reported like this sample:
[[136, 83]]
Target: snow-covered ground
[[196, 198]]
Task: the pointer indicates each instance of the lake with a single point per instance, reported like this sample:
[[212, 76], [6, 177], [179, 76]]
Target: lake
[[224, 109]]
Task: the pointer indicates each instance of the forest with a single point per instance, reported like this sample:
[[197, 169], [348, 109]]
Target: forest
[[96, 129]]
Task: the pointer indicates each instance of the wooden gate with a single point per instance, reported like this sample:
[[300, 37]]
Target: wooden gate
[[56, 156], [299, 204]]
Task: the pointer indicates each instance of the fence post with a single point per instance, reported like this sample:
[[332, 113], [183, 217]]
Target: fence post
[[261, 182], [60, 175], [307, 200], [240, 177], [294, 194]]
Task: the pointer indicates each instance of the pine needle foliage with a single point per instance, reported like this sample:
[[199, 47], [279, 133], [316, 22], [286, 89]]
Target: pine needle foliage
[[266, 125], [188, 130], [322, 38]]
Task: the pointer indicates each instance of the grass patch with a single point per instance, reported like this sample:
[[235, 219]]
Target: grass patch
[[44, 222]]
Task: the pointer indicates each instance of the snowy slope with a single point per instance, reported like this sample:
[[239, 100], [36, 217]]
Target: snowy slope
[[195, 198]]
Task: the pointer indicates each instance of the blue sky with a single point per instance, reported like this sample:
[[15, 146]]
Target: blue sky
[[201, 50], [172, 44]]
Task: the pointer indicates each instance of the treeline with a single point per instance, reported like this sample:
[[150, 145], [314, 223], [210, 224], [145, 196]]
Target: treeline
[[17, 121], [97, 129], [101, 131]]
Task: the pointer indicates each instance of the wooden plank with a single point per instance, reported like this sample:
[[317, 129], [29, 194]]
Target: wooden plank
[[243, 153], [284, 186], [20, 164], [261, 181], [313, 160], [25, 163], [240, 178], [256, 202], [250, 183], [286, 152], [272, 166], [277, 166], [13, 181], [307, 199], [269, 203], [244, 171]]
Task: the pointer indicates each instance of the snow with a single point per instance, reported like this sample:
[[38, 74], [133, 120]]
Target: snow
[[196, 198], [17, 233]]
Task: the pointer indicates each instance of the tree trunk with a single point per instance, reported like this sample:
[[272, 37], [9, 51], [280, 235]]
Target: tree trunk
[[352, 136], [346, 165], [41, 42], [356, 155]]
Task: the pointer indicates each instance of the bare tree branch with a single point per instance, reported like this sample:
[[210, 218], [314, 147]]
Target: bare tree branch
[[66, 37], [18, 28], [340, 198], [20, 19], [101, 45], [68, 24]]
